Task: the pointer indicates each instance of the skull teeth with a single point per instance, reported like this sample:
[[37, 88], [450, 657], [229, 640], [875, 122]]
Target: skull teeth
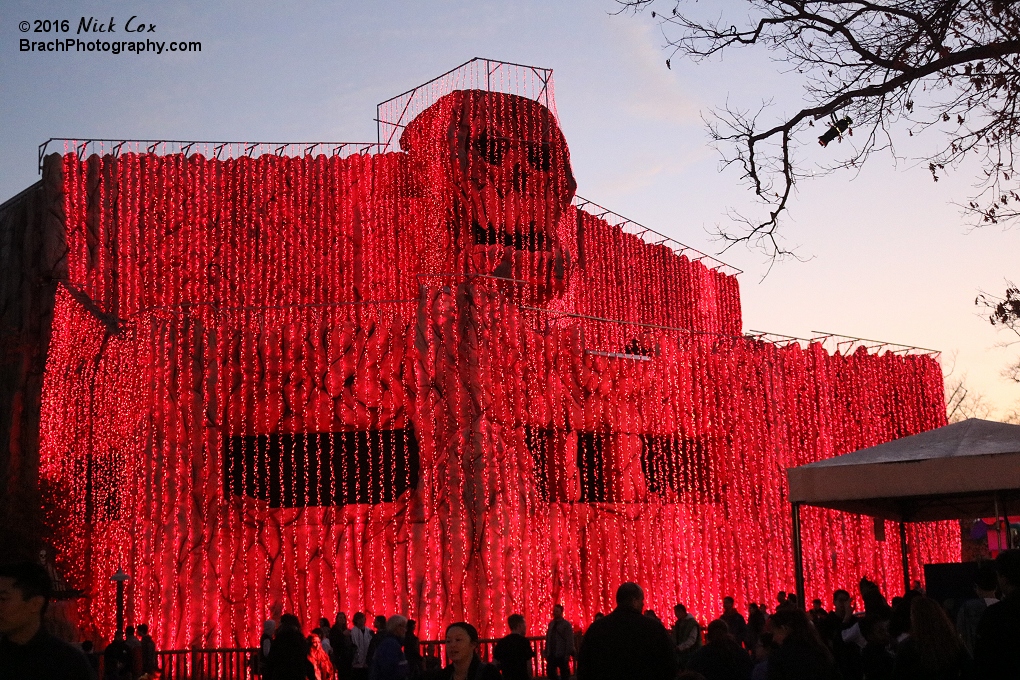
[[532, 240]]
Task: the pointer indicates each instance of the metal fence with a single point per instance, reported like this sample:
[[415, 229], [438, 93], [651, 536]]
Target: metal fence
[[233, 663], [206, 664]]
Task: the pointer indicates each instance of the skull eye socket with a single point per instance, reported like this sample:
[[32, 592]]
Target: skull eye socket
[[540, 156], [492, 149]]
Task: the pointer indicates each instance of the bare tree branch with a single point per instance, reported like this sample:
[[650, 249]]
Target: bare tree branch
[[1005, 313], [963, 403], [893, 68]]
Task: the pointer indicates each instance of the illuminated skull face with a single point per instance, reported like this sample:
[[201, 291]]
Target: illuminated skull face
[[499, 166]]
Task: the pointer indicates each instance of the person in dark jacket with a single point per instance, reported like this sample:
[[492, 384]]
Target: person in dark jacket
[[846, 653], [342, 649], [379, 623], [149, 659], [27, 651], [559, 645], [686, 635], [735, 621], [721, 658], [389, 662], [817, 613], [261, 656], [288, 655], [90, 654], [514, 652], [799, 653], [997, 647], [933, 650], [875, 603], [877, 659], [756, 621], [117, 659], [323, 631], [462, 653], [412, 651], [626, 645], [969, 615], [135, 648]]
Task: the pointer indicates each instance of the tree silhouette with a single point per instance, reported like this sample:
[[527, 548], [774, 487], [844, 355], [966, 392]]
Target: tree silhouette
[[1005, 313], [889, 69]]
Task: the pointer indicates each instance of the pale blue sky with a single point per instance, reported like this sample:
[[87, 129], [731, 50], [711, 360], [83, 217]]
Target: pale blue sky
[[890, 257]]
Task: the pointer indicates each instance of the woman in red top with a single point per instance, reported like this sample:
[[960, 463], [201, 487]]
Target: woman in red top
[[320, 659]]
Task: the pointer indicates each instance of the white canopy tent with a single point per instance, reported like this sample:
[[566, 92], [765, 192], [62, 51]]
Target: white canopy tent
[[965, 470]]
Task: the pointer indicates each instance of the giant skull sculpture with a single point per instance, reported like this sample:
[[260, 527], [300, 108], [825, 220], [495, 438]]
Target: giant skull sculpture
[[497, 168]]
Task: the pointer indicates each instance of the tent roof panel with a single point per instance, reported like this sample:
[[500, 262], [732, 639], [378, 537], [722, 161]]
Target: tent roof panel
[[956, 471], [971, 437]]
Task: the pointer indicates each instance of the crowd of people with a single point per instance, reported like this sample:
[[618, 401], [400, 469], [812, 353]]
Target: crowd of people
[[128, 656], [914, 636]]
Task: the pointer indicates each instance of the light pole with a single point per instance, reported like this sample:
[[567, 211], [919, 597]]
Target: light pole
[[120, 578]]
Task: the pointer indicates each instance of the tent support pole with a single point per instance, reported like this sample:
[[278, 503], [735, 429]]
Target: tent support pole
[[798, 555], [1001, 523], [904, 557], [1005, 526]]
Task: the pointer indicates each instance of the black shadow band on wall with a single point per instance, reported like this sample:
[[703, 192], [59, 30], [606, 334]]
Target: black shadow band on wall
[[675, 467], [321, 468]]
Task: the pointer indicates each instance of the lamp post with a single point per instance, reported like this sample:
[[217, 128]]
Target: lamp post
[[120, 578]]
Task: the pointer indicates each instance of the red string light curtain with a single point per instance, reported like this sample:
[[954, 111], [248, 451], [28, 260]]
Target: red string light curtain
[[423, 382], [660, 287]]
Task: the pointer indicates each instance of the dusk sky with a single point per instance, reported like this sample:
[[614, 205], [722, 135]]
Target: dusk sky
[[884, 254]]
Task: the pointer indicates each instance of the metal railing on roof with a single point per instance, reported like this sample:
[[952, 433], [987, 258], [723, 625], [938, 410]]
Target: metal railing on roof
[[652, 237], [835, 342], [491, 75], [209, 149]]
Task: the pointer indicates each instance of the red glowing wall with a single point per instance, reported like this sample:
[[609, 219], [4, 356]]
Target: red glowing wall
[[422, 382]]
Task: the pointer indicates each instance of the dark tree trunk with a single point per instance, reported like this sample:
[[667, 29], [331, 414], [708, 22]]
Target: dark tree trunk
[[32, 260]]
